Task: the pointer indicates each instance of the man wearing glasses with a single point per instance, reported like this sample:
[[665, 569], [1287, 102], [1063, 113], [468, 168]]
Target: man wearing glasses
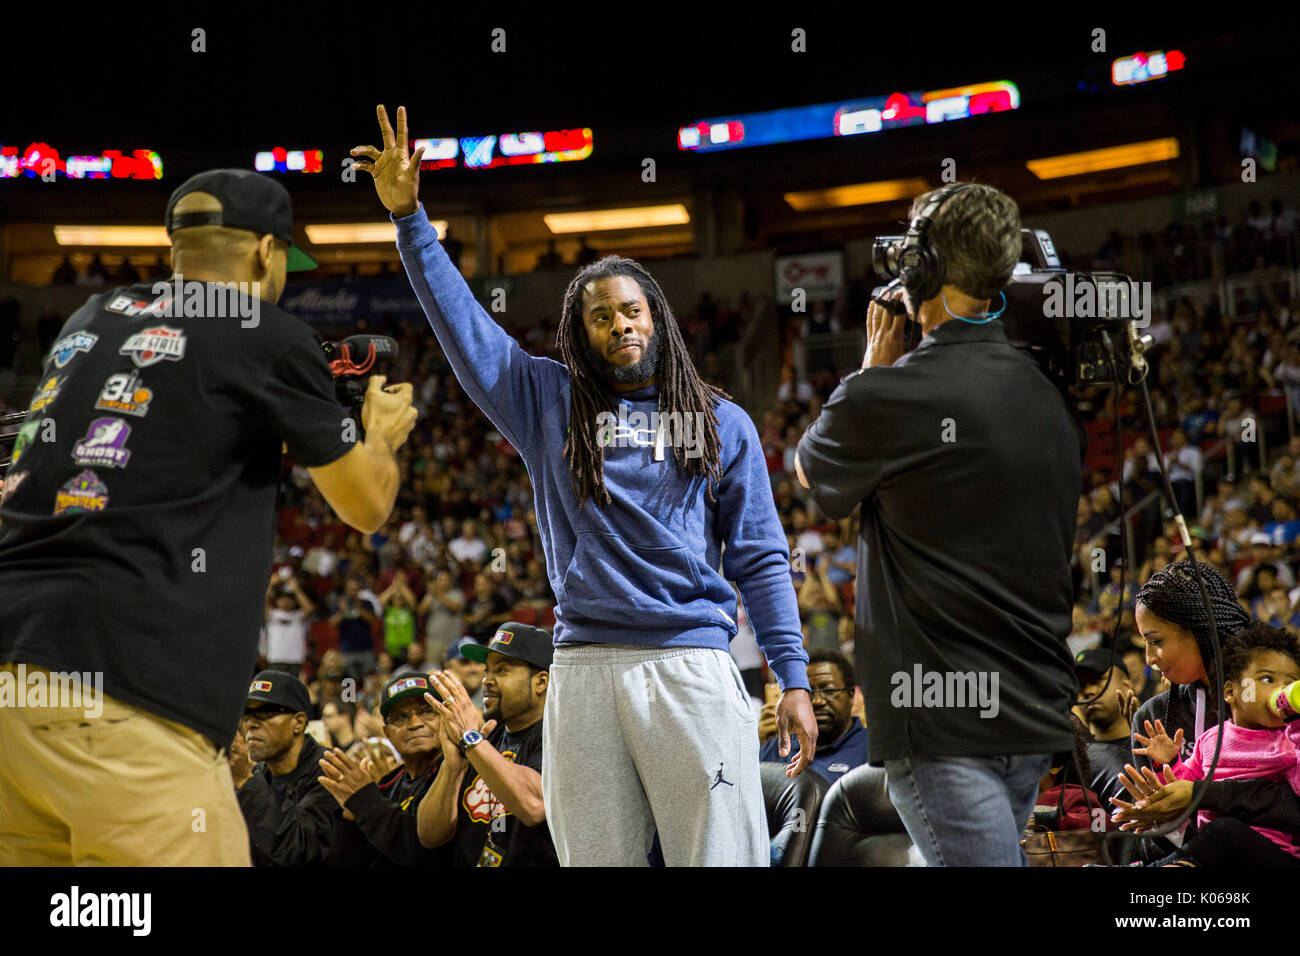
[[379, 808], [841, 738], [274, 763]]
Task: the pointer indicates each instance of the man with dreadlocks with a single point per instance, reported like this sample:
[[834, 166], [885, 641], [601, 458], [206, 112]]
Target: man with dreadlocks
[[648, 725]]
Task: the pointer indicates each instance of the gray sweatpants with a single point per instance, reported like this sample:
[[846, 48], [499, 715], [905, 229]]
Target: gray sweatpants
[[636, 739]]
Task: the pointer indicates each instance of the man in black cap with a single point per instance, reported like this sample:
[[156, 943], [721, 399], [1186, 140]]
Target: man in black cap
[[274, 763], [136, 542], [470, 670], [1108, 751], [487, 800], [379, 811]]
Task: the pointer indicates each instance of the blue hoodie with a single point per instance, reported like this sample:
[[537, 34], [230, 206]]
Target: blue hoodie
[[643, 569]]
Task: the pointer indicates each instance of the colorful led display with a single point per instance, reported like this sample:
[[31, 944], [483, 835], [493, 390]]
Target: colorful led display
[[507, 149], [1141, 67], [851, 118], [41, 158], [280, 160]]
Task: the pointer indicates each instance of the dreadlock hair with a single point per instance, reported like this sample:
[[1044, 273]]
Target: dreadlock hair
[[1172, 593], [681, 389], [1256, 636], [1074, 762]]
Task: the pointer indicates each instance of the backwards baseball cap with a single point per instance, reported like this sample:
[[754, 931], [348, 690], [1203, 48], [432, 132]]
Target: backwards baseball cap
[[248, 200], [523, 642], [280, 689], [456, 650], [400, 688]]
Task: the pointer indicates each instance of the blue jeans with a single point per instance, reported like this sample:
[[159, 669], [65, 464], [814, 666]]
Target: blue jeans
[[967, 811]]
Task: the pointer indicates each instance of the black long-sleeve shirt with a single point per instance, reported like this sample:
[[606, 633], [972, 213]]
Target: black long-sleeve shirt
[[385, 832], [967, 463], [291, 817]]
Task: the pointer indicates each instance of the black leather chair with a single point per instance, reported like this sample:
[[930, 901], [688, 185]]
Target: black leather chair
[[858, 826], [793, 806]]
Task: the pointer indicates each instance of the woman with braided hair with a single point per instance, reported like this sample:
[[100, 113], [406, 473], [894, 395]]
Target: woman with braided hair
[[1173, 619]]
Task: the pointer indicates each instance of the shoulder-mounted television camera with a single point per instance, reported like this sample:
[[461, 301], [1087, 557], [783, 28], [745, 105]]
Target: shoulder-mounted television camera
[[1081, 327]]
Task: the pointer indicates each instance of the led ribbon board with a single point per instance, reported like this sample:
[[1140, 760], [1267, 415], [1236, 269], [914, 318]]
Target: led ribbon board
[[506, 149], [852, 118], [1141, 67], [280, 160], [41, 159]]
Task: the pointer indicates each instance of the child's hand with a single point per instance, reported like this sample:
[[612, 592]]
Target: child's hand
[[1157, 746]]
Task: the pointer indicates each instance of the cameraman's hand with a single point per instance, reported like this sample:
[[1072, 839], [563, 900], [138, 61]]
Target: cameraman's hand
[[884, 336], [388, 411], [396, 175]]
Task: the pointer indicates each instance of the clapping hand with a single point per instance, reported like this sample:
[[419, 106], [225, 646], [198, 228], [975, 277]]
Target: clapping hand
[[241, 765], [342, 777], [1157, 745], [457, 712], [1155, 800]]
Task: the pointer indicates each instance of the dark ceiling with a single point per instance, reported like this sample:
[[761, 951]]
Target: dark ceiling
[[315, 75]]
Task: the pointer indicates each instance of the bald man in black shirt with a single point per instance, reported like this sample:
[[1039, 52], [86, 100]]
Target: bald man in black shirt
[[136, 531]]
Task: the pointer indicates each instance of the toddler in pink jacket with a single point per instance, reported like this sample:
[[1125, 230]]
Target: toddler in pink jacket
[[1261, 667]]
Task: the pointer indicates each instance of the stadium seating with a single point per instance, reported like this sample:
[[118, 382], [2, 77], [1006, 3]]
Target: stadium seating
[[858, 825], [792, 806]]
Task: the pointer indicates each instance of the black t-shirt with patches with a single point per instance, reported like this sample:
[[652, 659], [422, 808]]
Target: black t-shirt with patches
[[137, 522], [506, 839]]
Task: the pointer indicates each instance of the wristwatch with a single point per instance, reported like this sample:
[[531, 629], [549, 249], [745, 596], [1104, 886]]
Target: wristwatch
[[470, 738]]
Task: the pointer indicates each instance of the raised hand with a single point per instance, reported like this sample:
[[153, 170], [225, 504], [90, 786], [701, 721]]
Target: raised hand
[[241, 765], [1158, 746], [1128, 704], [395, 172]]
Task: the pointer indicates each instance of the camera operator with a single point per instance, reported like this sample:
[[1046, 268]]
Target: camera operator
[[138, 544], [966, 460]]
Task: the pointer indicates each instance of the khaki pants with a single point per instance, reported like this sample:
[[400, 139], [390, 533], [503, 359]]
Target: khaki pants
[[125, 788]]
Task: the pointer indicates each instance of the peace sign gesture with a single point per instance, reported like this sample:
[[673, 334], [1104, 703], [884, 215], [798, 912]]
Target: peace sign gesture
[[396, 174]]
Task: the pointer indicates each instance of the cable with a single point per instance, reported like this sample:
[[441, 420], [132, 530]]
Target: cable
[[1123, 538], [1199, 787]]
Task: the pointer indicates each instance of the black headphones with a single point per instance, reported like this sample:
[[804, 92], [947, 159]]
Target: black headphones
[[920, 265]]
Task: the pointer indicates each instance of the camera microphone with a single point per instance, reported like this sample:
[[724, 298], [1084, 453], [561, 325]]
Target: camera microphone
[[355, 358]]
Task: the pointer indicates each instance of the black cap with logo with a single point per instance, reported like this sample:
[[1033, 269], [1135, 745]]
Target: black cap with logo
[[282, 690], [248, 200], [523, 642], [400, 688]]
